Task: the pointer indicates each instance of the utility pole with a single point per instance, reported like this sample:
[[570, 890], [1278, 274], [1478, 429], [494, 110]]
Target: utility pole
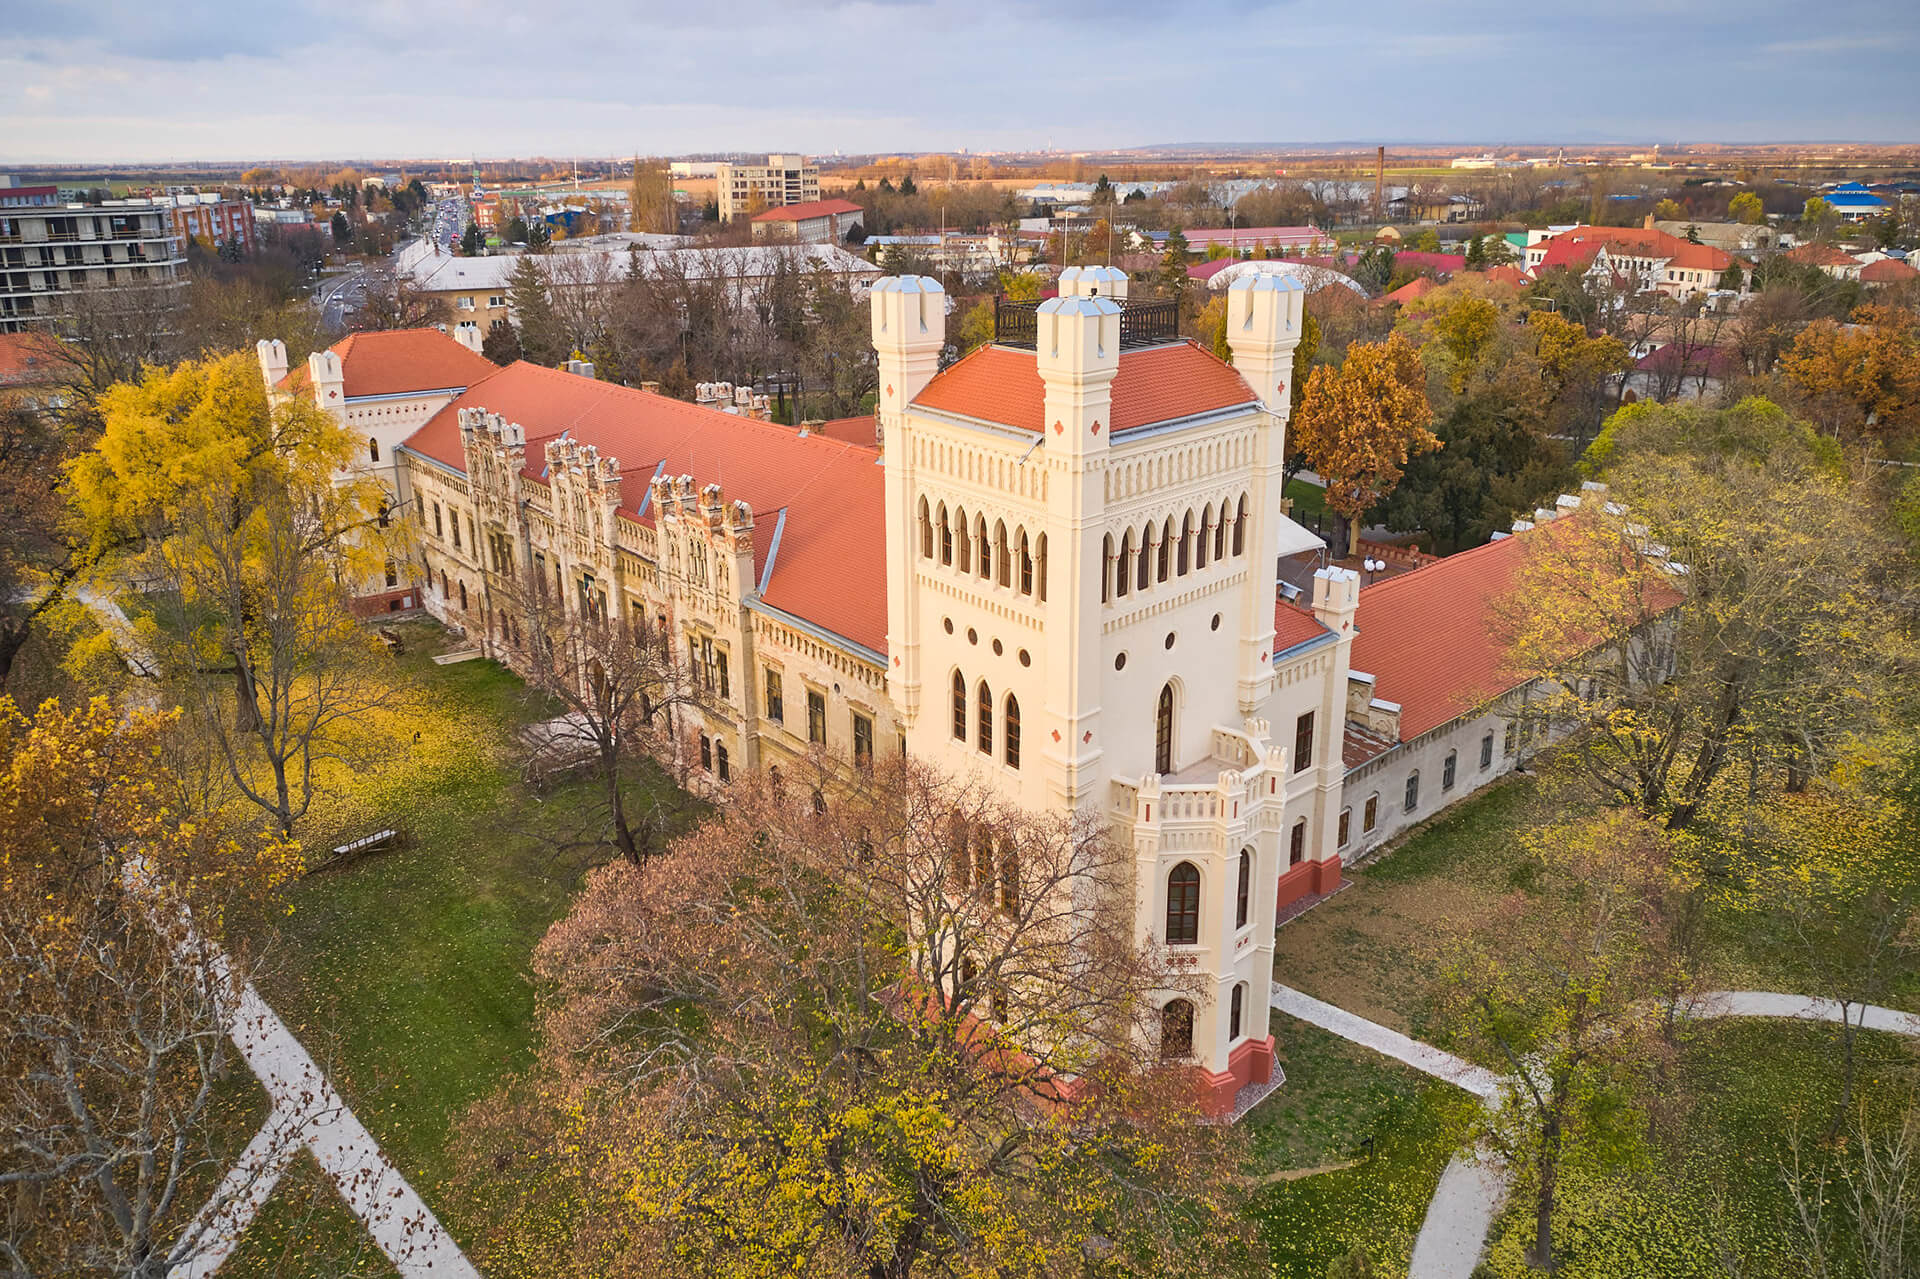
[[1379, 183]]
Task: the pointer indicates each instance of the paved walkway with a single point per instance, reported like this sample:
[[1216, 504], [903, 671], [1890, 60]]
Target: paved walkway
[[1473, 1188], [1483, 1084]]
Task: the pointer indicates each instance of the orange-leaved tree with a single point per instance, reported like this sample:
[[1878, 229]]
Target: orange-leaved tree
[[1865, 376], [1359, 423]]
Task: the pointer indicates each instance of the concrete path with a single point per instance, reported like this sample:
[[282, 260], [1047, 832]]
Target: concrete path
[[216, 1229], [119, 627], [1483, 1084], [1473, 1188]]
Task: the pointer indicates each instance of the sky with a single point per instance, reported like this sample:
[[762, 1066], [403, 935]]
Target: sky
[[154, 80]]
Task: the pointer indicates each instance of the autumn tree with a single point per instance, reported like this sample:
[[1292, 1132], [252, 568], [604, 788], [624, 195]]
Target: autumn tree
[[235, 514], [1358, 424], [1865, 376], [626, 699], [390, 301], [1818, 220], [1559, 988], [1728, 603], [1746, 207], [650, 201], [903, 1031], [115, 1040]]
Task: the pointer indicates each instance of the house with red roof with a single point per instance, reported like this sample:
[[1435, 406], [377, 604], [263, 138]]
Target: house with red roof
[[815, 222], [1834, 262], [1642, 259], [1888, 271], [1048, 568]]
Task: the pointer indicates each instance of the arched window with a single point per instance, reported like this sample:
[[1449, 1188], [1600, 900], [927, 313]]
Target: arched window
[[986, 547], [1009, 878], [1236, 1011], [1413, 790], [1145, 575], [373, 448], [965, 537], [1183, 905], [1206, 529], [1026, 564], [926, 531], [1164, 569], [463, 597], [1106, 566], [1000, 549], [1240, 527], [1163, 732], [1012, 750], [946, 536], [1040, 567], [1186, 544], [959, 707], [984, 732], [1243, 895], [1220, 532], [1123, 571], [1176, 1030]]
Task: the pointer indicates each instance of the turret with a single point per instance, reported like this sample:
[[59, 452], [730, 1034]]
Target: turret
[[273, 361], [909, 332], [1264, 314], [329, 378], [1094, 281], [1077, 354]]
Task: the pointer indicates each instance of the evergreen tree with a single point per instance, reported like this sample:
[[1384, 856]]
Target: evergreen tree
[[342, 229], [543, 339], [470, 241], [1174, 263], [907, 187], [502, 343], [1375, 268], [1476, 253]]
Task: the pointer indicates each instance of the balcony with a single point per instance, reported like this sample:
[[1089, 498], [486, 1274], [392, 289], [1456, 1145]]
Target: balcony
[[1017, 324], [1212, 803]]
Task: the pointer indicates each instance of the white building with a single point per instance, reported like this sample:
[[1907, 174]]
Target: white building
[[745, 189]]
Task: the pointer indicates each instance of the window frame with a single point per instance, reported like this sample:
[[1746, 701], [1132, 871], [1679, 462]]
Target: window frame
[[1182, 914]]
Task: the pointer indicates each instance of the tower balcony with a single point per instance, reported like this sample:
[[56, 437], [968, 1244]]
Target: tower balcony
[[1017, 324], [1215, 804]]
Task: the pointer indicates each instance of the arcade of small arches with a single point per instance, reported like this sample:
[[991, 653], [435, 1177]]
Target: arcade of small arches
[[1162, 551], [979, 708], [1009, 557]]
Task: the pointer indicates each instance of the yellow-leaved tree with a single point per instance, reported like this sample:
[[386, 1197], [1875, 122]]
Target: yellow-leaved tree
[[115, 1036], [1358, 424], [244, 525]]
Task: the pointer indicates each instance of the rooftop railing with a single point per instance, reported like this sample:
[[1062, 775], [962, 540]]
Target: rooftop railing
[[1017, 324]]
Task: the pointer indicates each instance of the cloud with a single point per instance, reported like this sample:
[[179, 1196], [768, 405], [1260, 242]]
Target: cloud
[[373, 78]]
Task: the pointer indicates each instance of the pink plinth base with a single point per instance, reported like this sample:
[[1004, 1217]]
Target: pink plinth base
[[1308, 879], [1250, 1063]]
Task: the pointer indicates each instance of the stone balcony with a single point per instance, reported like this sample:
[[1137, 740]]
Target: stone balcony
[[1214, 804]]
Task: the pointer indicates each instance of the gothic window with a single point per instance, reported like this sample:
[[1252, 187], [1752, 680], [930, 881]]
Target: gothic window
[[720, 761], [926, 531], [1206, 529], [1240, 527], [775, 703], [959, 707], [1186, 543], [984, 731], [1183, 905], [1163, 732], [1012, 751], [1243, 894], [946, 536], [1145, 574], [1164, 568], [1026, 564], [373, 448], [965, 563], [1040, 568], [986, 547], [437, 530], [1236, 1011], [1176, 1030], [1106, 567], [1303, 743], [1220, 532], [463, 597], [1123, 572], [1000, 549]]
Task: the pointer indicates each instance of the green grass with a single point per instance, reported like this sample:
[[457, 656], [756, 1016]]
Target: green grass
[[1335, 1097], [1309, 500], [406, 973], [305, 1229]]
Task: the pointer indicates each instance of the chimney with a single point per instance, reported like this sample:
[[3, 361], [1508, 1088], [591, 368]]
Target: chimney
[[909, 332], [651, 388], [468, 335]]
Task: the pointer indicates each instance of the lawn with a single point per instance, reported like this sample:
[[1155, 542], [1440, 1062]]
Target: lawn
[[406, 973], [1309, 500], [1365, 948], [1380, 1132]]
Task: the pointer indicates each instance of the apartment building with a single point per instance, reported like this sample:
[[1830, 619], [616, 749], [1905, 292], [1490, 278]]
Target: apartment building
[[212, 219], [50, 251], [746, 189]]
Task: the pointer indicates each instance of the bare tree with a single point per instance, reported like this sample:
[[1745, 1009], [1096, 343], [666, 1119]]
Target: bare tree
[[390, 301]]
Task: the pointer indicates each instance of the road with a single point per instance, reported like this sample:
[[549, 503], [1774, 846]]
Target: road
[[339, 295]]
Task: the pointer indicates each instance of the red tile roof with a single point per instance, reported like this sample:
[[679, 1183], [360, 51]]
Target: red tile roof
[[811, 209], [1444, 263], [1413, 290], [1157, 384], [401, 361], [851, 430], [31, 359], [1821, 255], [1571, 248], [1294, 626], [1426, 636], [1887, 271], [830, 565]]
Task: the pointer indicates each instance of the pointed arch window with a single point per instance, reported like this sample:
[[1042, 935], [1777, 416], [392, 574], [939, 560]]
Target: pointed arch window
[[926, 531], [1040, 568], [1243, 894], [1183, 905], [1026, 564], [1176, 1030], [1145, 575], [373, 448], [1240, 527], [959, 707], [1163, 731], [965, 537], [1106, 567], [986, 547], [1236, 1012], [1206, 530], [1011, 752], [1186, 543], [1004, 559], [984, 731], [1164, 568], [1220, 532], [1123, 566], [946, 536]]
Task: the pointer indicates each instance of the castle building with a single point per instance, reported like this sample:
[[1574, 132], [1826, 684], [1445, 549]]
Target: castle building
[[1053, 568]]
